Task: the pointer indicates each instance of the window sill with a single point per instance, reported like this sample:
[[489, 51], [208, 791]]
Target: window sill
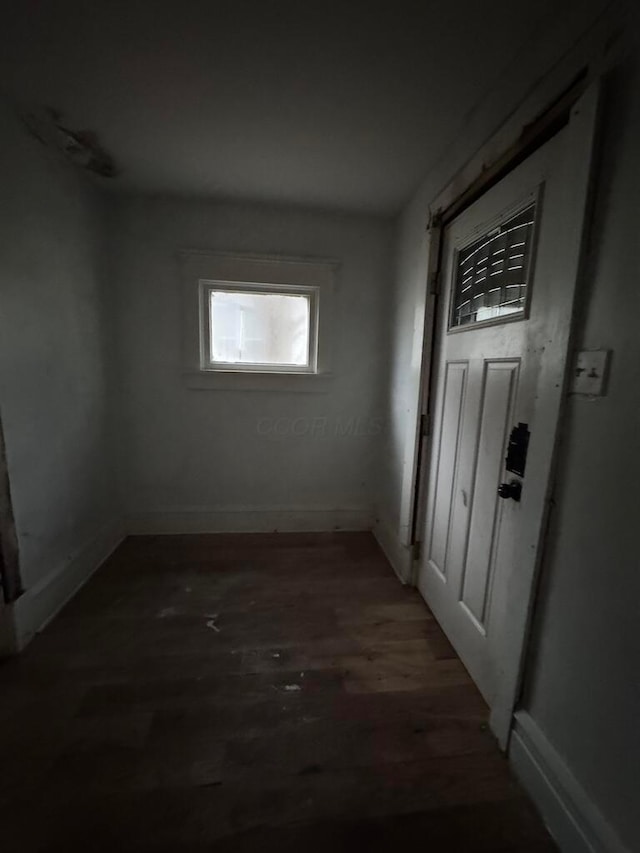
[[219, 380]]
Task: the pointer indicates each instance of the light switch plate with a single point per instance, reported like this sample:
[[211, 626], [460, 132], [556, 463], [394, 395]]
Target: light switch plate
[[590, 372]]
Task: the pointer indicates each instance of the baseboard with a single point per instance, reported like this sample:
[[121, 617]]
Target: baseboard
[[43, 601], [249, 520], [399, 555], [571, 816]]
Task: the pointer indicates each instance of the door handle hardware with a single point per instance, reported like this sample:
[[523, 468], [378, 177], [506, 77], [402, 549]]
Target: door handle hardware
[[517, 449], [511, 490]]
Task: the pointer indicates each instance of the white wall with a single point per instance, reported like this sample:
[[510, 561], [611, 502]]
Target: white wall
[[53, 378], [206, 459]]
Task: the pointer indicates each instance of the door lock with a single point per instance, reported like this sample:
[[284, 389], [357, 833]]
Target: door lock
[[510, 490], [517, 449]]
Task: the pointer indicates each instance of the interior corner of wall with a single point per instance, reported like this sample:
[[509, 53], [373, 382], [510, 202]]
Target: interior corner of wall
[[387, 535]]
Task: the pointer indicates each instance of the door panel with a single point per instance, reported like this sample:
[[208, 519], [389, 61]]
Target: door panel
[[449, 443], [500, 383]]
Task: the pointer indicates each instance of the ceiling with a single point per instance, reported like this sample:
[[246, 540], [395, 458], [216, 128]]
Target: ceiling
[[342, 105]]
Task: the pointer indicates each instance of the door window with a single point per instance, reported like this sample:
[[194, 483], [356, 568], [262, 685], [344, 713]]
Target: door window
[[492, 273]]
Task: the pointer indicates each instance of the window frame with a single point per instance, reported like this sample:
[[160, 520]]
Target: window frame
[[311, 292], [533, 198], [278, 273]]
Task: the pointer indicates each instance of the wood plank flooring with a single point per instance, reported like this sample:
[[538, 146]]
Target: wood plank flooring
[[264, 692]]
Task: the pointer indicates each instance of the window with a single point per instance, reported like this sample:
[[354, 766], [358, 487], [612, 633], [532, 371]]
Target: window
[[259, 327], [257, 323], [491, 274]]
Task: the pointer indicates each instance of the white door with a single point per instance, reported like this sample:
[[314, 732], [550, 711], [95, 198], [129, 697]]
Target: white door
[[502, 302]]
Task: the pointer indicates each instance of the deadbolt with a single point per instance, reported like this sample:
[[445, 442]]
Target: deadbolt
[[510, 490]]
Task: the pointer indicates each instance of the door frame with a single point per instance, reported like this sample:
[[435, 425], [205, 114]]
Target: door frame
[[10, 580], [576, 113]]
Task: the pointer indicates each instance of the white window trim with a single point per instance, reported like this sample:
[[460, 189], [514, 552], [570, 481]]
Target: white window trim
[[203, 270], [208, 287]]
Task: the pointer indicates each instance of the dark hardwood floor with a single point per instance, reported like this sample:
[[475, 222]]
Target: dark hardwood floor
[[267, 692]]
